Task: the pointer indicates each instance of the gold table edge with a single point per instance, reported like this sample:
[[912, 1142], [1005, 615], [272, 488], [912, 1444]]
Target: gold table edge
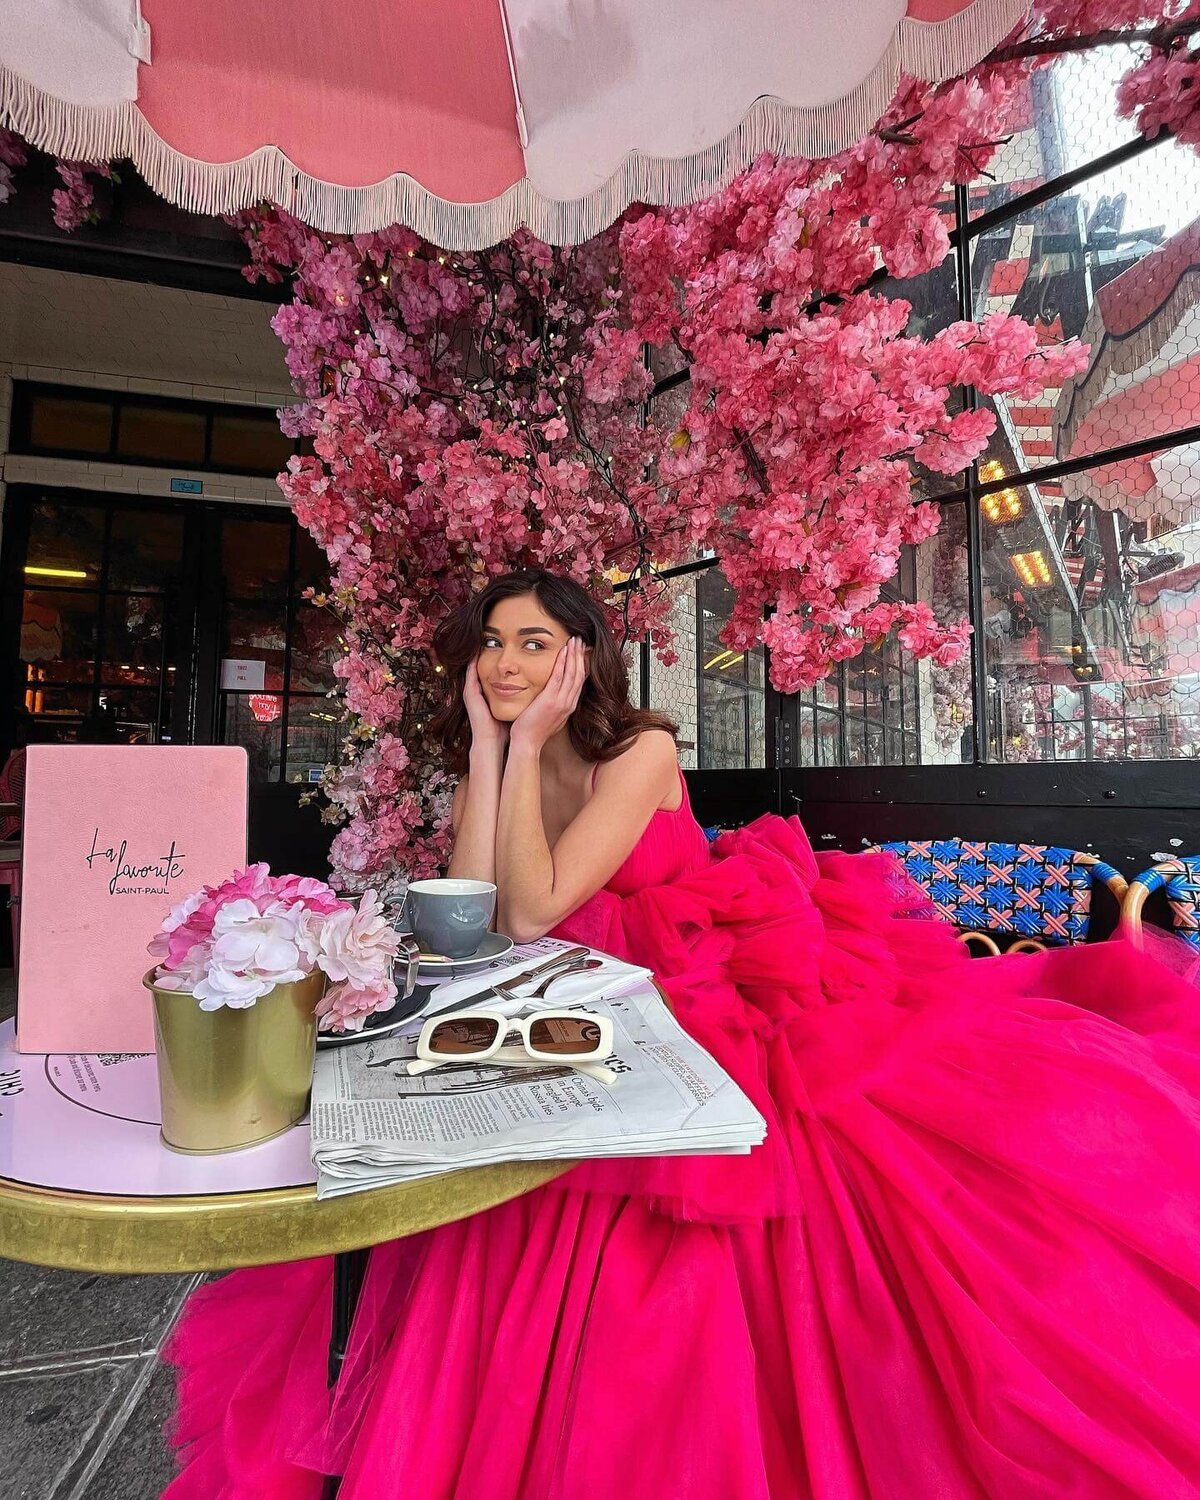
[[218, 1232]]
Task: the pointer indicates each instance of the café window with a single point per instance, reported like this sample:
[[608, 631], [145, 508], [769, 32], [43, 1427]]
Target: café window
[[120, 427], [95, 654], [142, 622], [277, 652], [1073, 546]]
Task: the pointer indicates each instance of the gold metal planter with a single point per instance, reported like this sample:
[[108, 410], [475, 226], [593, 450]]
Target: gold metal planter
[[232, 1078]]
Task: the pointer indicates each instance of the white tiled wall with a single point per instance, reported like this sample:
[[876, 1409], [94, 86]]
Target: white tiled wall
[[62, 329], [131, 335]]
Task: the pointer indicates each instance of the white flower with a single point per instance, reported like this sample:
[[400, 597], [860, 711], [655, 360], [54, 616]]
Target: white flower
[[251, 952], [308, 935], [188, 975], [179, 913], [159, 945], [225, 987]]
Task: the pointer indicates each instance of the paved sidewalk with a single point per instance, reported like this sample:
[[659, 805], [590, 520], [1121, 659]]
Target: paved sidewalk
[[83, 1397]]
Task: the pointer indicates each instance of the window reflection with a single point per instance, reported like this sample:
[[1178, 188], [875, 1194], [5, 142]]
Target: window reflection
[[732, 717], [66, 545], [58, 636], [1099, 659], [314, 737]]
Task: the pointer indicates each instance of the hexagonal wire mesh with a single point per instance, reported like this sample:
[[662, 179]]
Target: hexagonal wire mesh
[[1091, 619]]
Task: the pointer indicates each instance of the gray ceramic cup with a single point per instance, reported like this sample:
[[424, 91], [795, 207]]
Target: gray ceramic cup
[[450, 917]]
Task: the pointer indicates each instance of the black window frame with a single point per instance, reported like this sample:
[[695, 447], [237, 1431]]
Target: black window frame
[[26, 393], [198, 714]]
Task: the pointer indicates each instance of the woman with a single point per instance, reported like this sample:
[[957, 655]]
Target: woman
[[964, 1264]]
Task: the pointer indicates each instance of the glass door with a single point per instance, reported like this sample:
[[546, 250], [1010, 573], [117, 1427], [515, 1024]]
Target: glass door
[[275, 669], [95, 614]]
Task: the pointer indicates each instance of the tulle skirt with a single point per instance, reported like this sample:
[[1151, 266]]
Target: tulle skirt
[[966, 1262]]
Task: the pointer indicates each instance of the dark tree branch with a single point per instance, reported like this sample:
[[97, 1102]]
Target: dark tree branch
[[1162, 38]]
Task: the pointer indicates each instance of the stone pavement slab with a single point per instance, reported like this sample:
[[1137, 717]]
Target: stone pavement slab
[[83, 1395]]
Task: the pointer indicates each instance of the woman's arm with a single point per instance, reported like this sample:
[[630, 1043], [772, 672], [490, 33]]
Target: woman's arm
[[477, 797], [473, 817], [539, 886]]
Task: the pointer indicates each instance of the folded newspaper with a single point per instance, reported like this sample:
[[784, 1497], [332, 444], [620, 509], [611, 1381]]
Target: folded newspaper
[[373, 1125]]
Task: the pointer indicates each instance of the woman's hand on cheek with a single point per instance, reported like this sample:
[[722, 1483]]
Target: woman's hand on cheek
[[485, 729], [557, 701]]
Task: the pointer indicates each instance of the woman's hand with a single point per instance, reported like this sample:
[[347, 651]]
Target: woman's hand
[[487, 732], [557, 701]]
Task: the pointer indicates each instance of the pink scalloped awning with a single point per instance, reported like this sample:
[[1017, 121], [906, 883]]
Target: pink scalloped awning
[[466, 118]]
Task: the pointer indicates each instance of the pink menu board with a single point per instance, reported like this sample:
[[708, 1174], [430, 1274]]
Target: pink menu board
[[113, 836]]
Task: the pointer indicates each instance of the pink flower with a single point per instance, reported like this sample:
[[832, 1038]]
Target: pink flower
[[356, 945], [251, 952], [344, 1007], [314, 895]]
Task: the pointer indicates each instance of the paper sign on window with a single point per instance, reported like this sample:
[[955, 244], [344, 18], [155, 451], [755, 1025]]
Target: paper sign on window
[[243, 675]]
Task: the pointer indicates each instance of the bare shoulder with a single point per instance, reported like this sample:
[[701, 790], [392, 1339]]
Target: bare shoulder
[[651, 760]]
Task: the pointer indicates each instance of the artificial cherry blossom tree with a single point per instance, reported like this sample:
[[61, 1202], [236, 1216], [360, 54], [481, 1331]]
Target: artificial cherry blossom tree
[[470, 413]]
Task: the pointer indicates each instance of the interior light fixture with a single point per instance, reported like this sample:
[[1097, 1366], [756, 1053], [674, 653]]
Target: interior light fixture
[[1002, 506], [720, 656], [54, 572], [1031, 568]]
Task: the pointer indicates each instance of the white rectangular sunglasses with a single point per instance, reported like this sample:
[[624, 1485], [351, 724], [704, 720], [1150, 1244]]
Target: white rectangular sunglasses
[[566, 1038]]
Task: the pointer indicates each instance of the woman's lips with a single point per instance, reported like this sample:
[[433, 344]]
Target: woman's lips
[[507, 692]]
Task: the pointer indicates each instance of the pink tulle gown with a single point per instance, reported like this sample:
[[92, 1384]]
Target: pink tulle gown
[[965, 1263]]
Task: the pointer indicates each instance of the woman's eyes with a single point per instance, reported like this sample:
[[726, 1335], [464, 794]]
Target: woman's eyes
[[499, 645]]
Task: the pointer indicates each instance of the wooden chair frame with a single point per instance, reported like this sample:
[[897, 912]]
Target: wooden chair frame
[[1143, 886]]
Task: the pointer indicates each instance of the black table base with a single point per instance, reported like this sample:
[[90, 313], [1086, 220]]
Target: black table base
[[349, 1268]]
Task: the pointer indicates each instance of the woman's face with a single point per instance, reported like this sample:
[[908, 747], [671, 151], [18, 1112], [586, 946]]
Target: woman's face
[[521, 643]]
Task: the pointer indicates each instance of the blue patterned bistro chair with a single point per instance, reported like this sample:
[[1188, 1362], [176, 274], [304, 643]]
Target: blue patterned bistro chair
[[1179, 879], [1038, 895]]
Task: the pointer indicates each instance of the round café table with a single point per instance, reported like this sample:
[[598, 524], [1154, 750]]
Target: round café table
[[87, 1185]]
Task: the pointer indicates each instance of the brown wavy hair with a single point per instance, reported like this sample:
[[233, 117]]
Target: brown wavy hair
[[605, 722]]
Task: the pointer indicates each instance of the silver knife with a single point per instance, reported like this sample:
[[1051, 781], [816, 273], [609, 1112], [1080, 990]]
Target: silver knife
[[567, 956]]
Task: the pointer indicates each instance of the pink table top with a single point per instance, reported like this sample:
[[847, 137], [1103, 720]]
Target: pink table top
[[90, 1124]]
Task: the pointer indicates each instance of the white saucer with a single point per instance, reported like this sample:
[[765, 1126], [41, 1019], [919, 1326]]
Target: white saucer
[[494, 945]]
